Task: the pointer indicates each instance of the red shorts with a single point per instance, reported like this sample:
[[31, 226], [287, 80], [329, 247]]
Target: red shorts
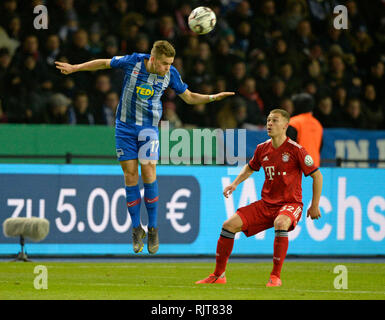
[[259, 216]]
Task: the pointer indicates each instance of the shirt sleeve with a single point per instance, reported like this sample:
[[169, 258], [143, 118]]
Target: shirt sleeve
[[176, 82], [306, 162], [122, 62], [255, 163]]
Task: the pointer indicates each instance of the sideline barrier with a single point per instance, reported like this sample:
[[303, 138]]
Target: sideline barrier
[[83, 144], [85, 205]]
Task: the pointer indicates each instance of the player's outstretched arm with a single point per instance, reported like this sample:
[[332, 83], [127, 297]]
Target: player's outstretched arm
[[92, 65], [242, 176], [197, 98], [314, 212]]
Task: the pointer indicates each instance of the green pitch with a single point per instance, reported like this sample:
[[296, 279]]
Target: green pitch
[[175, 281]]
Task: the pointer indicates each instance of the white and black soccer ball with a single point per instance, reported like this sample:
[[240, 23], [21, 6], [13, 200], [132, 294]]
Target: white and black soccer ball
[[202, 20]]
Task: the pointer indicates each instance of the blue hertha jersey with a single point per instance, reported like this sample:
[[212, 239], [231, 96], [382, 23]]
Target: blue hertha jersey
[[140, 101]]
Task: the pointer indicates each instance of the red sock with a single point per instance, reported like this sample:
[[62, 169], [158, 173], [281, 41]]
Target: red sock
[[224, 249], [281, 243]]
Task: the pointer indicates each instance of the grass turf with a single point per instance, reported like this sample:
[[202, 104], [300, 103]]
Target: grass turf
[[175, 281]]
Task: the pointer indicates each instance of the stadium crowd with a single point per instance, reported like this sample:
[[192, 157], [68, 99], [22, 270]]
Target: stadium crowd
[[265, 51]]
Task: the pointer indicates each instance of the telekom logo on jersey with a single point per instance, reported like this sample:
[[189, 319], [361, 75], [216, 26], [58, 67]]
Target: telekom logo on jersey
[[270, 172]]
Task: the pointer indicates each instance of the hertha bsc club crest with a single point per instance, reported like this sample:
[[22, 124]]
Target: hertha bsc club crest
[[285, 157]]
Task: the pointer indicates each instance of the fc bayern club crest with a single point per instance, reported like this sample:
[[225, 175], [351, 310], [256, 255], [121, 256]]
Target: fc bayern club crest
[[285, 157]]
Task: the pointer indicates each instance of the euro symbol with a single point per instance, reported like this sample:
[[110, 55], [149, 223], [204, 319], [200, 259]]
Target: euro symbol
[[174, 216]]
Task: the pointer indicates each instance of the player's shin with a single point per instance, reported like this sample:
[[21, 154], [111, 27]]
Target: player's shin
[[281, 243], [151, 196], [224, 248], [133, 204]]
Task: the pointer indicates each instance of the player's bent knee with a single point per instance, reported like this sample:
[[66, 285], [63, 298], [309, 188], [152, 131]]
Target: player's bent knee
[[282, 222], [232, 225]]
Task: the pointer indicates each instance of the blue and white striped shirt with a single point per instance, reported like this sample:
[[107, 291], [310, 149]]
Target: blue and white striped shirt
[[140, 101]]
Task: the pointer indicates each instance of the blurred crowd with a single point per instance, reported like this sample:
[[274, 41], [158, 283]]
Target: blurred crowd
[[266, 51]]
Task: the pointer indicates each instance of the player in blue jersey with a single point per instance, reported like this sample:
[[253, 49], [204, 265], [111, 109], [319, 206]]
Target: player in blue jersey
[[137, 117]]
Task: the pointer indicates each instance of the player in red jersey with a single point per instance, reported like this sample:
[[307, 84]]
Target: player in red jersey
[[283, 161]]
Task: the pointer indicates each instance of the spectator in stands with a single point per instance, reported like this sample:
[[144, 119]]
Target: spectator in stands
[[254, 103], [338, 75], [237, 75], [340, 98], [224, 58], [170, 115], [304, 37], [327, 115], [79, 113], [57, 109], [198, 75], [242, 13], [204, 54], [233, 114], [242, 43], [29, 47], [5, 62], [376, 77], [296, 11], [362, 45], [181, 17], [277, 92], [151, 13], [373, 107], [101, 87], [291, 32], [354, 16], [281, 53], [14, 28], [262, 76], [198, 117], [109, 108], [267, 25], [336, 36], [354, 117], [292, 82]]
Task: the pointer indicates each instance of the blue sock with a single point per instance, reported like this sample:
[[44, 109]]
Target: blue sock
[[133, 199], [151, 196]]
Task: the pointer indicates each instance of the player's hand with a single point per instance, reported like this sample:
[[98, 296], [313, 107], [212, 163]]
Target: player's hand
[[314, 212], [220, 96], [228, 190], [65, 68]]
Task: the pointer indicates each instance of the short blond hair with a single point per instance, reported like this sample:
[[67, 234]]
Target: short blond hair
[[163, 47], [282, 112]]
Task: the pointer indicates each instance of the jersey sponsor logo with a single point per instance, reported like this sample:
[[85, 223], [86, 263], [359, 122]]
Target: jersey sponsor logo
[[285, 157], [309, 161], [144, 91]]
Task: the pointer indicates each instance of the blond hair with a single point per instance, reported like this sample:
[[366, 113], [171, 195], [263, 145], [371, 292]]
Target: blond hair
[[282, 112], [163, 47]]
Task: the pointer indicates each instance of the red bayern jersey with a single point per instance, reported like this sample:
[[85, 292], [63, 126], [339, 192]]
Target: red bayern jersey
[[283, 170]]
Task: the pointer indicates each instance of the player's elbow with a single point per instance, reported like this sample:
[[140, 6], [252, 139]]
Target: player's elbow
[[317, 175], [187, 97]]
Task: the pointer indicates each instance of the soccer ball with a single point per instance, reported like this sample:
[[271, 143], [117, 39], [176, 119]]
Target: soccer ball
[[202, 20]]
